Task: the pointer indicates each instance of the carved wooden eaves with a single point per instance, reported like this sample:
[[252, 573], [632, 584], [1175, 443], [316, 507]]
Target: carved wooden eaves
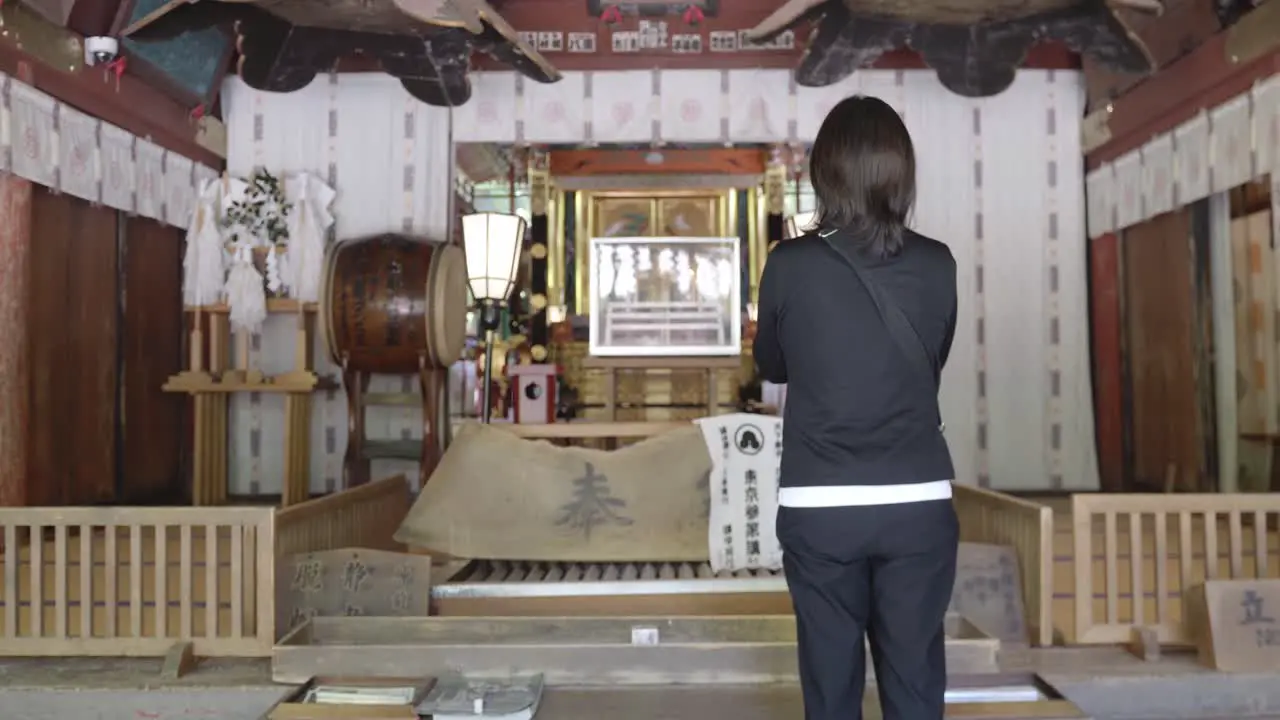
[[976, 46], [284, 44]]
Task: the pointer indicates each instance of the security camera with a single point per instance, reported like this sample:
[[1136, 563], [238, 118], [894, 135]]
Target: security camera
[[100, 50]]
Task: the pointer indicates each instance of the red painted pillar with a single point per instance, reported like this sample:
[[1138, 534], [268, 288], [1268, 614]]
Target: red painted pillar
[[15, 375], [1108, 377]]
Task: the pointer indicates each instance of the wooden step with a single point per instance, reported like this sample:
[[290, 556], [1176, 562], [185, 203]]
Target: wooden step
[[392, 399], [392, 450]]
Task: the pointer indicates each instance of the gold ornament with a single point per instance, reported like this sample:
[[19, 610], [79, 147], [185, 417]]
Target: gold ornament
[[538, 251], [539, 353], [538, 301]]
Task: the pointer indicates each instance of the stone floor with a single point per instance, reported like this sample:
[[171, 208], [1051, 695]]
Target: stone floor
[[1106, 682]]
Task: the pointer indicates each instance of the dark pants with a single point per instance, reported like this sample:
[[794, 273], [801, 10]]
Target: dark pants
[[885, 571]]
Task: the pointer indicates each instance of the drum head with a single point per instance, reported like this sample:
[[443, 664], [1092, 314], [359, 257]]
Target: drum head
[[326, 304], [447, 313]]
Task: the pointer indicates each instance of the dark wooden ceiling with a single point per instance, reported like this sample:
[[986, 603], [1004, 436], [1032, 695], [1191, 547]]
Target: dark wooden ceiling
[[974, 45]]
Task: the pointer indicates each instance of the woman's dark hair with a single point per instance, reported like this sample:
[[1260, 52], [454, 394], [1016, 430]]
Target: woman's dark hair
[[863, 171]]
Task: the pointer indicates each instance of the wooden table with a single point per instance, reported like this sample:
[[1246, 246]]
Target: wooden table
[[708, 365]]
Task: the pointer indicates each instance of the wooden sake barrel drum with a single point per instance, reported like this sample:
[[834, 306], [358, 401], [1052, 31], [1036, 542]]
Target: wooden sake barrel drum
[[392, 302]]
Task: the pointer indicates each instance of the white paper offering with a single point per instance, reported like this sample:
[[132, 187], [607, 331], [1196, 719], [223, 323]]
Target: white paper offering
[[745, 454]]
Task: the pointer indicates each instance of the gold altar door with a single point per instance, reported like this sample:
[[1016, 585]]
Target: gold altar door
[[651, 394]]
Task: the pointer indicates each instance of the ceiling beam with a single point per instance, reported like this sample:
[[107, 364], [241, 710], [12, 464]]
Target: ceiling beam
[[93, 17], [131, 104], [1226, 65]]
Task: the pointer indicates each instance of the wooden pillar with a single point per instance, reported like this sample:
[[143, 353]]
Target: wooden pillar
[[15, 373], [775, 182], [1108, 361]]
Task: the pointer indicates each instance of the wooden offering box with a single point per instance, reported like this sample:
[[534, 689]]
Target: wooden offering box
[[742, 649]]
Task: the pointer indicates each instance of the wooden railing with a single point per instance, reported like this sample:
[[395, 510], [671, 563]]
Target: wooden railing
[[365, 516], [133, 581], [1144, 551], [999, 519]]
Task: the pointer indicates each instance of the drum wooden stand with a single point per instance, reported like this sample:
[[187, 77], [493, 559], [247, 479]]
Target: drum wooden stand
[[211, 390], [395, 305], [361, 451]]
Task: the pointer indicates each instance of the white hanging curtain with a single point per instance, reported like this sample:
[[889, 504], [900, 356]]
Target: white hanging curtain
[[118, 173], [622, 106], [689, 106], [490, 115], [755, 115], [555, 113], [31, 134], [149, 180], [1231, 149], [77, 146]]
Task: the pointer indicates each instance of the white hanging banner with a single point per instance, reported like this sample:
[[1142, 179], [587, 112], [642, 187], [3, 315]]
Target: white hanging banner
[[200, 175], [745, 454], [1266, 125], [32, 137], [1128, 187], [179, 191], [1101, 200], [555, 113], [1231, 157], [758, 111], [490, 115], [148, 172], [886, 85], [77, 152], [1157, 175], [813, 104], [118, 180], [1191, 159], [690, 106], [622, 106]]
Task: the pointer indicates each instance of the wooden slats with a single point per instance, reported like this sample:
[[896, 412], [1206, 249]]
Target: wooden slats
[[184, 583], [79, 613], [1212, 542], [224, 559], [60, 581], [10, 581], [211, 581], [992, 517], [86, 582], [135, 580]]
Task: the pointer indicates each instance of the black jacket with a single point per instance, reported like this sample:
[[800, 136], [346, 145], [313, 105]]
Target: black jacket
[[856, 414]]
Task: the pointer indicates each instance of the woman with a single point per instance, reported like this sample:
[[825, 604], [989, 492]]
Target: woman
[[857, 318]]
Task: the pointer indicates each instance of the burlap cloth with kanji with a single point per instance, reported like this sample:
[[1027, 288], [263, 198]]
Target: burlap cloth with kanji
[[499, 497]]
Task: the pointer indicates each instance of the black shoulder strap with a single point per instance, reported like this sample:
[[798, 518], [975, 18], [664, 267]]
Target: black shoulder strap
[[904, 334]]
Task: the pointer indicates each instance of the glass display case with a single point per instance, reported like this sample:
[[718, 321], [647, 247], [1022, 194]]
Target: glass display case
[[665, 296]]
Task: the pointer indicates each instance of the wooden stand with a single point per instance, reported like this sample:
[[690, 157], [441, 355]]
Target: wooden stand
[[709, 365], [361, 451], [210, 392]]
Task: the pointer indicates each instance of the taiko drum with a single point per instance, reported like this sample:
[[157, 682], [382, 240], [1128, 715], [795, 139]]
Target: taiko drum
[[394, 303]]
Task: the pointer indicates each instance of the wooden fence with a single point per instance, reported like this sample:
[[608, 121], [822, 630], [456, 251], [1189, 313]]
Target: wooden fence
[[365, 516], [992, 517], [1142, 552], [132, 581]]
